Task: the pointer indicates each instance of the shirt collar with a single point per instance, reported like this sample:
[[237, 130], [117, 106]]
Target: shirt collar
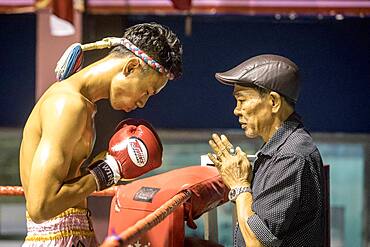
[[281, 135]]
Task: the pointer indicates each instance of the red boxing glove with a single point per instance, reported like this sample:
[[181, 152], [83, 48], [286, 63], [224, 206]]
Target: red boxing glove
[[133, 150], [137, 148]]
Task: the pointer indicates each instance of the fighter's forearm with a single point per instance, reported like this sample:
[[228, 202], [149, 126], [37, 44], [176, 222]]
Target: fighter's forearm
[[244, 211], [69, 195]]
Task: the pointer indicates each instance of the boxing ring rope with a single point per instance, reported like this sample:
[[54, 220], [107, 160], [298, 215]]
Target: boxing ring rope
[[18, 191], [151, 220], [133, 232]]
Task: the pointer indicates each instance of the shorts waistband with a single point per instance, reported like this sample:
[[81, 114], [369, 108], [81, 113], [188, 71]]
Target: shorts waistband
[[68, 212], [72, 222]]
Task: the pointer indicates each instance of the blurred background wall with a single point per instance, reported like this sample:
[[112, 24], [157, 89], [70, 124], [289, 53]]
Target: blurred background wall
[[334, 58]]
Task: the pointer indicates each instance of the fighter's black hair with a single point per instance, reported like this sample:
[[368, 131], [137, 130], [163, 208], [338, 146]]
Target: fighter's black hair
[[157, 41]]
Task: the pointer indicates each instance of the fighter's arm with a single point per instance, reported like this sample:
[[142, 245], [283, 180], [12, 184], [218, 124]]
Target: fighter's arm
[[62, 121]]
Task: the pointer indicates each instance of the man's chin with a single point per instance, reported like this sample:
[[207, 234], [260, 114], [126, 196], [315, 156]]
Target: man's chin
[[122, 108], [250, 134], [118, 108], [128, 109]]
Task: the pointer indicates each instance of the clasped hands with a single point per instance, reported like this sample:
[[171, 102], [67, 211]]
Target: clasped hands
[[232, 164]]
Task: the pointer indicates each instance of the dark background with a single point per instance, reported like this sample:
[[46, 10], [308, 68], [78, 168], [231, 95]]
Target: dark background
[[334, 58]]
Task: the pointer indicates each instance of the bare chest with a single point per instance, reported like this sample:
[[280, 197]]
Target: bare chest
[[83, 148]]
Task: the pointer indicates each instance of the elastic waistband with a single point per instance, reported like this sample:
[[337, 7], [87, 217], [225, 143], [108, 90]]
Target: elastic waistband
[[60, 235], [68, 212], [72, 222]]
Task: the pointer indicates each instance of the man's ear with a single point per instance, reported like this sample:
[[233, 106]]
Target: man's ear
[[275, 101], [131, 65]]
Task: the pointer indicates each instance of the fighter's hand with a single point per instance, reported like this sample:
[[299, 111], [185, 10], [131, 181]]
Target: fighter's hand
[[133, 150], [136, 147], [233, 165]]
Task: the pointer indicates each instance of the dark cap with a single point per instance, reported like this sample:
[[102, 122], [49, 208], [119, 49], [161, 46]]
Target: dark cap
[[268, 71]]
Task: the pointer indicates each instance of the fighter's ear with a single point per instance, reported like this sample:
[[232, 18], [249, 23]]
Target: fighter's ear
[[275, 101], [131, 65]]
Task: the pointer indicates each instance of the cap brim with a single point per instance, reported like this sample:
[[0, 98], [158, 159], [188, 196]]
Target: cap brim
[[232, 76], [224, 79], [230, 81]]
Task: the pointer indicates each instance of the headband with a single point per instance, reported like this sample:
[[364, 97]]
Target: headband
[[72, 58]]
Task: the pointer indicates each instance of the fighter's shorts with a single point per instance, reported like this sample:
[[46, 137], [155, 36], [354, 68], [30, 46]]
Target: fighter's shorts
[[71, 228]]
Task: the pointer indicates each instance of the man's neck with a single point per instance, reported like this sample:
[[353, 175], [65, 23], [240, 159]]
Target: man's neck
[[277, 121], [94, 81]]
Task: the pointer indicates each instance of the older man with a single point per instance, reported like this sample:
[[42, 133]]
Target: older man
[[279, 199]]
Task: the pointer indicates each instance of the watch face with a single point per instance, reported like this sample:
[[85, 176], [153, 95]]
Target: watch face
[[232, 194]]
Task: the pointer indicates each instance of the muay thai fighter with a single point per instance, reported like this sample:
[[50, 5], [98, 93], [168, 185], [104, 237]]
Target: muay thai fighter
[[59, 134]]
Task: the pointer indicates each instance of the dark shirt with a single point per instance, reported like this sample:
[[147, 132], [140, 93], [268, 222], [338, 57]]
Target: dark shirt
[[287, 190]]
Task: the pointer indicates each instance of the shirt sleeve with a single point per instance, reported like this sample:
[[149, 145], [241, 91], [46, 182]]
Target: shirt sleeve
[[278, 202]]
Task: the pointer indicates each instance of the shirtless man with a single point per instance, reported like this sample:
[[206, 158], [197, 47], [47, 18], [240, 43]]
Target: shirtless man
[[59, 133]]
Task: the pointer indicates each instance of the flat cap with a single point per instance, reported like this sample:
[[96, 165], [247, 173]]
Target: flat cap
[[268, 71]]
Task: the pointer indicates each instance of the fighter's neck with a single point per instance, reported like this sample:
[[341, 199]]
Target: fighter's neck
[[94, 81]]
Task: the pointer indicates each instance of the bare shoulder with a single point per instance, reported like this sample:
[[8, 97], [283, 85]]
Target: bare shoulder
[[63, 110], [61, 101]]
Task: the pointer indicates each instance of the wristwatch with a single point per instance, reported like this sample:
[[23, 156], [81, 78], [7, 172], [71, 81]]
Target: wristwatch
[[235, 192]]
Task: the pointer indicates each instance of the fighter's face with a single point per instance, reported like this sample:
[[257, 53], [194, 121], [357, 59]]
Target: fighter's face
[[130, 91], [253, 111]]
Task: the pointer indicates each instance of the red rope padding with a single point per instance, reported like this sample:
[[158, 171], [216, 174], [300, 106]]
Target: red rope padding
[[18, 191], [147, 223]]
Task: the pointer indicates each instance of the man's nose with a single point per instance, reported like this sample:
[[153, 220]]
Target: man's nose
[[237, 111]]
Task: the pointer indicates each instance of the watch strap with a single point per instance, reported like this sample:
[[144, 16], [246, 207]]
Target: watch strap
[[235, 192]]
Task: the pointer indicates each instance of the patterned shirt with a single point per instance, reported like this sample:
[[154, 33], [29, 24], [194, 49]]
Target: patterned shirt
[[287, 190]]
